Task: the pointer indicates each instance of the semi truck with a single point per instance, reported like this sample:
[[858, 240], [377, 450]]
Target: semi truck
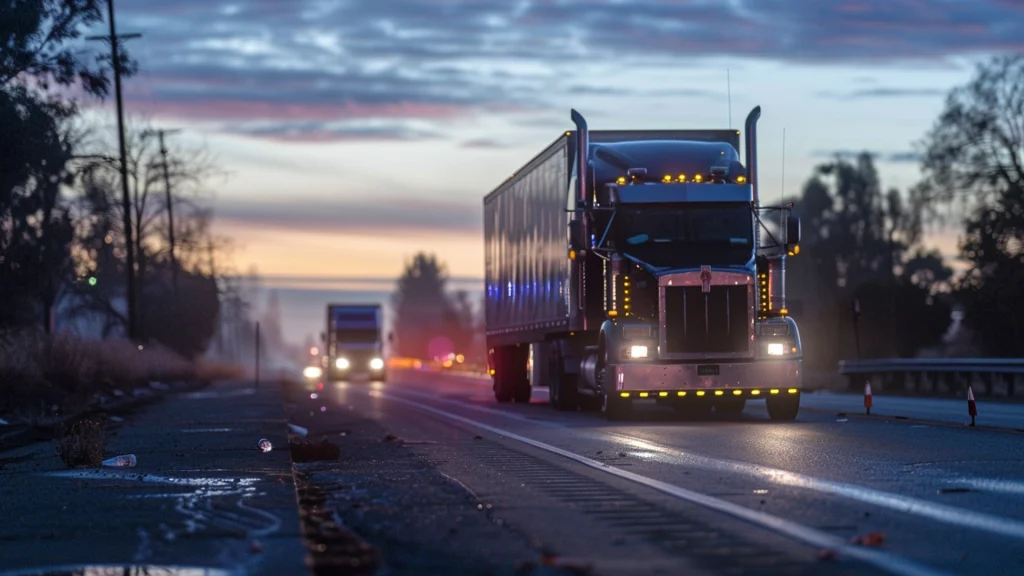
[[353, 346], [640, 265]]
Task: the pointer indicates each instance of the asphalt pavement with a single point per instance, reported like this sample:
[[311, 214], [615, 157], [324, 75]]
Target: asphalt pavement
[[829, 493], [202, 495]]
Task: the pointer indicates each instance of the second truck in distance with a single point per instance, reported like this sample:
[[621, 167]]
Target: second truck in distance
[[640, 265]]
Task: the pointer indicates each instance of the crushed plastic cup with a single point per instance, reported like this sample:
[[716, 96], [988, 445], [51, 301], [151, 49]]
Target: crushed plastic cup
[[124, 461], [265, 445]]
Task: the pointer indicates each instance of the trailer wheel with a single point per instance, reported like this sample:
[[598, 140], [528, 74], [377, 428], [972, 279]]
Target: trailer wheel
[[783, 407], [562, 390]]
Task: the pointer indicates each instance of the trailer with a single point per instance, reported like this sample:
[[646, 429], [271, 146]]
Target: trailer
[[643, 269], [353, 344]]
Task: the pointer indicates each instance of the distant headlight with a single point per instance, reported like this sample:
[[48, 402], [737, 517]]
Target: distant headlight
[[776, 349], [312, 372], [376, 364], [638, 351], [341, 363]]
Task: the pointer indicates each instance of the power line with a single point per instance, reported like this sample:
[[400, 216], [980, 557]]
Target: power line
[[169, 197]]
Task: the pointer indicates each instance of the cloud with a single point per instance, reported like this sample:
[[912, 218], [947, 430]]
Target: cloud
[[884, 93], [309, 131], [373, 215], [437, 60], [486, 143], [905, 157]]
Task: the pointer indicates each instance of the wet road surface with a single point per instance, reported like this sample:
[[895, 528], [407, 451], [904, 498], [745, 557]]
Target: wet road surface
[[719, 495]]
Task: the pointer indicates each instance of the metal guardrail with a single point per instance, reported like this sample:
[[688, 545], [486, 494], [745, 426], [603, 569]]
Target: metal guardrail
[[993, 377]]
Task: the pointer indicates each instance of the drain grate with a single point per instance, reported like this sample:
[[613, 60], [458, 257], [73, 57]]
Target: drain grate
[[718, 551]]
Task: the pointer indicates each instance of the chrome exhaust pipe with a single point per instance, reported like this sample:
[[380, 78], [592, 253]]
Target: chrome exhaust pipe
[[750, 134], [582, 155]]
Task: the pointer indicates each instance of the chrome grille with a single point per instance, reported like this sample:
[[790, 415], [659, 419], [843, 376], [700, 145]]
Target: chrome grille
[[695, 322]]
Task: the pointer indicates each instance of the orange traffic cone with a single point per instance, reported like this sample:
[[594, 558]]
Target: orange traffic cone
[[867, 397], [972, 408]]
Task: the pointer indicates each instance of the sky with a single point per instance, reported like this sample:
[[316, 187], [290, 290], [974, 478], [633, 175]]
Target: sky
[[358, 132]]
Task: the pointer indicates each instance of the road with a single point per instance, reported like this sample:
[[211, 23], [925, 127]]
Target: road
[[661, 494]]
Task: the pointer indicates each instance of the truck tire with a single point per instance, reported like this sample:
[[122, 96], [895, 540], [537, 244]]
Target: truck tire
[[730, 405], [562, 391], [783, 407], [615, 408]]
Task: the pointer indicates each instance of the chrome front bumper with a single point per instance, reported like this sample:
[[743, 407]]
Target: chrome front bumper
[[745, 375]]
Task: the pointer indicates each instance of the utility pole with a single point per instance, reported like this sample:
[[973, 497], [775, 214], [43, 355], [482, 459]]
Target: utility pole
[[170, 202], [126, 203]]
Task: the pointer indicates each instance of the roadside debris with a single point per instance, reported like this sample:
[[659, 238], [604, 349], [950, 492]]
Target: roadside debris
[[298, 430], [265, 445], [478, 437], [389, 437], [81, 444], [124, 461], [870, 539]]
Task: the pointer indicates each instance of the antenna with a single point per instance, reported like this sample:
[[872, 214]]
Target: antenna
[[728, 89], [783, 192]]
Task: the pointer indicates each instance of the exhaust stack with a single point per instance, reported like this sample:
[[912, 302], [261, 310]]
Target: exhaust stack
[[750, 135], [582, 155]]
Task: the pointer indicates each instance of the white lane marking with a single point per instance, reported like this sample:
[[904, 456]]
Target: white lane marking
[[904, 504], [882, 560]]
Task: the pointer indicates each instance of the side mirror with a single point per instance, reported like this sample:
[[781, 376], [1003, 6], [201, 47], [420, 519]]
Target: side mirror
[[792, 231], [576, 236]]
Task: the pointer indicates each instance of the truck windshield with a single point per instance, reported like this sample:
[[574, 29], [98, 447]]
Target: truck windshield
[[683, 237], [361, 336]]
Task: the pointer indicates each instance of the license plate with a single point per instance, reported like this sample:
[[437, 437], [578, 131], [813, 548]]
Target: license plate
[[707, 370]]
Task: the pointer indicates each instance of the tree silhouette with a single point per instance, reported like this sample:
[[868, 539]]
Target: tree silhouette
[[974, 160], [857, 244], [425, 313]]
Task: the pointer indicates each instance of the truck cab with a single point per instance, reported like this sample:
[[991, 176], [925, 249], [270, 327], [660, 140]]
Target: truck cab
[[354, 348]]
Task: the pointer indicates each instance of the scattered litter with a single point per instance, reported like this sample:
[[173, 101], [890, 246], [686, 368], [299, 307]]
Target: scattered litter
[[569, 565], [622, 454], [305, 451], [115, 419], [841, 417], [389, 437], [870, 539], [314, 396], [827, 555], [265, 445], [298, 430], [125, 461], [478, 437]]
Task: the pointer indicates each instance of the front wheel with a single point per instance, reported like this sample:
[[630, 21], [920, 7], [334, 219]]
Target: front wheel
[[783, 407]]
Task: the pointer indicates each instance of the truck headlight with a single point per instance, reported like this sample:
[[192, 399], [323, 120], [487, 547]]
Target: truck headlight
[[376, 364], [312, 372], [638, 351], [341, 363], [776, 349]]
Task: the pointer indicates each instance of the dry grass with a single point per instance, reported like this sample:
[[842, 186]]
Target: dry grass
[[81, 444], [38, 372]]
